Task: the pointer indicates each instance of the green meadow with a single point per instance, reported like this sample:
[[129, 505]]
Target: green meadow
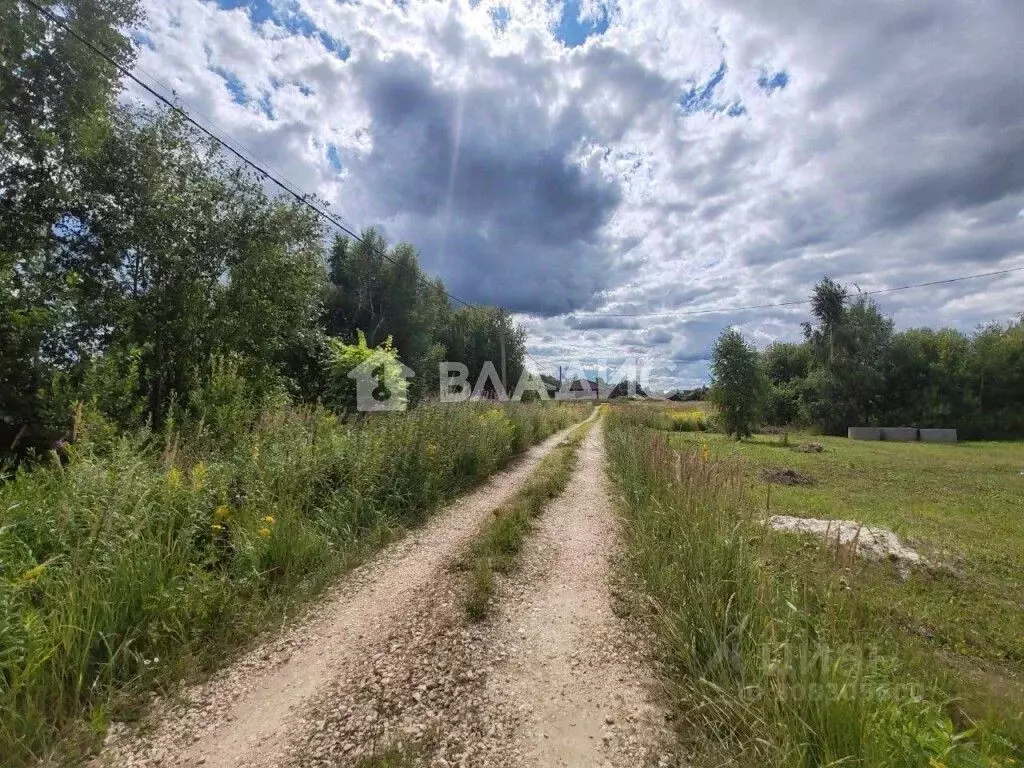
[[945, 680]]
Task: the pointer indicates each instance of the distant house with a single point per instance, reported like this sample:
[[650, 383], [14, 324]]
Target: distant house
[[580, 389], [627, 388], [550, 384]]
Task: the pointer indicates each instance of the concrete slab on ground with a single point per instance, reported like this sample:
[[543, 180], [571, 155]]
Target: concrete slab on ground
[[864, 433], [904, 434], [938, 435]]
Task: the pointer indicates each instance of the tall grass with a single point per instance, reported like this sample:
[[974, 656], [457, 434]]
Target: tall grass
[[763, 664], [671, 417], [135, 560], [690, 421]]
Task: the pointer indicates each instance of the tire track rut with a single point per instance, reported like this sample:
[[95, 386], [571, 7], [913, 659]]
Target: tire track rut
[[250, 713]]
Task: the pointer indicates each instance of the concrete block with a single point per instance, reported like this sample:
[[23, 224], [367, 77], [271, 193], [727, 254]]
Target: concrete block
[[864, 433], [938, 435], [905, 434]]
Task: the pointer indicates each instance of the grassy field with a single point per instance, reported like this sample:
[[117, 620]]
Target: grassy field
[[921, 671], [962, 507]]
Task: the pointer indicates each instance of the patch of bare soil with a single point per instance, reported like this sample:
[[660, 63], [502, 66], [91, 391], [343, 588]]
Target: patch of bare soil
[[420, 686], [258, 711], [786, 477]]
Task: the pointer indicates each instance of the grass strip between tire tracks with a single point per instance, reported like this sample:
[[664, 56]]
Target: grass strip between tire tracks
[[497, 546]]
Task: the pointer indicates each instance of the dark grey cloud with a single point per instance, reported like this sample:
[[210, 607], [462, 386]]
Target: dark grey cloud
[[915, 112], [483, 182], [604, 322]]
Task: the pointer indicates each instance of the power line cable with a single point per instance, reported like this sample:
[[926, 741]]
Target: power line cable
[[211, 121], [302, 199], [261, 167], [723, 310]]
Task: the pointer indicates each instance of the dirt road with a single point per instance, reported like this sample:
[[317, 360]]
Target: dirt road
[[388, 658], [585, 687]]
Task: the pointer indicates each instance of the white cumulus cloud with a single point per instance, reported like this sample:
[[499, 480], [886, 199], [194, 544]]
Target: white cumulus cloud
[[690, 156]]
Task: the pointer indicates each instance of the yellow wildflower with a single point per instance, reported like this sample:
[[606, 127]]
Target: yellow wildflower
[[198, 476], [264, 532], [269, 519], [34, 573], [173, 478], [217, 528], [222, 512], [705, 452]]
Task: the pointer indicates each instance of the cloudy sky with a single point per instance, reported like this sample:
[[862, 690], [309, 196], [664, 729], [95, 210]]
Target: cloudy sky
[[579, 161]]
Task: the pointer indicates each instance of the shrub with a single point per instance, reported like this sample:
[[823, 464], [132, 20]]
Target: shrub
[[381, 361], [689, 421]]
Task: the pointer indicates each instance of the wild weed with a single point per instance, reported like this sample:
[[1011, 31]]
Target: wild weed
[[147, 557]]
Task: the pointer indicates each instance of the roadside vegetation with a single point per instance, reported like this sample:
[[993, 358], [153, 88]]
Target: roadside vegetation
[[135, 256], [960, 619], [783, 651], [496, 548], [139, 559]]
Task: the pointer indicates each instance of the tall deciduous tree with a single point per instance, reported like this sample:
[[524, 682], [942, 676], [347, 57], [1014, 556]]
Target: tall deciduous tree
[[382, 292], [55, 96], [738, 383], [786, 366], [845, 384]]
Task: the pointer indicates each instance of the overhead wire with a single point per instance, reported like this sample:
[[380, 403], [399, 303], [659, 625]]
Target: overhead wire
[[261, 167], [194, 110], [258, 167], [796, 303]]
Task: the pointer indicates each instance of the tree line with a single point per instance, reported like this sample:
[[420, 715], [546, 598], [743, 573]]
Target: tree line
[[135, 257], [852, 368]]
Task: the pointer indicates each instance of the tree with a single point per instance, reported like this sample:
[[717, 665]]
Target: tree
[[738, 383], [845, 382], [184, 256], [475, 337], [996, 376], [926, 378], [853, 369], [384, 291], [786, 366], [54, 99]]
